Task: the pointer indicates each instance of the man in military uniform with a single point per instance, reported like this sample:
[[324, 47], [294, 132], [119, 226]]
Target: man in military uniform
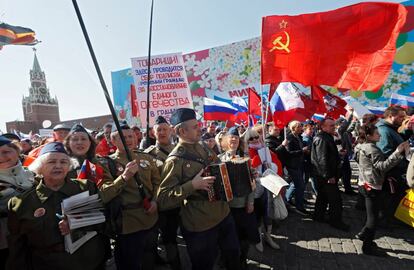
[[168, 219], [206, 226], [136, 232]]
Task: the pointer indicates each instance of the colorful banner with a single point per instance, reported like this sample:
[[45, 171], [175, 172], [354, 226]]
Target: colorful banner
[[124, 102], [226, 71], [168, 85]]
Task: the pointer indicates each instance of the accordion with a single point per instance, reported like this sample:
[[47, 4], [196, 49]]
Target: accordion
[[233, 179]]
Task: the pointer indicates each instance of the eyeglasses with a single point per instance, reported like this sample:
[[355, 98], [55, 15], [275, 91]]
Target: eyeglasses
[[253, 138]]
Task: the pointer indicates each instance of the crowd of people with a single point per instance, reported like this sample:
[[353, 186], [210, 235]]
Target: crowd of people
[[155, 187]]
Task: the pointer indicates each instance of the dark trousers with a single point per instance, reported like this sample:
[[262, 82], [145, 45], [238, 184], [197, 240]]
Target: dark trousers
[[135, 251], [203, 246], [346, 173], [296, 187], [261, 209], [373, 200], [4, 254], [328, 194], [247, 231], [169, 221]]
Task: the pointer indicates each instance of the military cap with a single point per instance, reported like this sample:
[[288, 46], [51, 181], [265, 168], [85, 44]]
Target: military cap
[[78, 128], [61, 127], [234, 131], [160, 120], [53, 147], [182, 115], [11, 136], [123, 124], [4, 140], [207, 136]]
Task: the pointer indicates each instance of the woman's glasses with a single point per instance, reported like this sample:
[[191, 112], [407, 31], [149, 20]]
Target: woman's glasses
[[253, 138]]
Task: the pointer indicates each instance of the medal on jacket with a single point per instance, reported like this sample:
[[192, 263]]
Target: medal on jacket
[[39, 212]]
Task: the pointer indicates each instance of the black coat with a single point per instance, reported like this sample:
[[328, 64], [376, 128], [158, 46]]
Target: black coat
[[275, 145], [325, 159], [295, 152]]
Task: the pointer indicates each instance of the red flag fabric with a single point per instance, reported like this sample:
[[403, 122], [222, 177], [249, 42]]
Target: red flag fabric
[[134, 101], [351, 47], [254, 106], [327, 103]]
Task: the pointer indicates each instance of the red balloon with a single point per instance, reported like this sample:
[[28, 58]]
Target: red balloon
[[409, 23]]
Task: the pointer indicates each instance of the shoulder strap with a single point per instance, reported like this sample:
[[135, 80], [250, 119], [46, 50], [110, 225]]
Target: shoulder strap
[[181, 153]]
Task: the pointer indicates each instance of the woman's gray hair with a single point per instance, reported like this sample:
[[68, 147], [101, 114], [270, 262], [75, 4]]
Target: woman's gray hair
[[38, 163]]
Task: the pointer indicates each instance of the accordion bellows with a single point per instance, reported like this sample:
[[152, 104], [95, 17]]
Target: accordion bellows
[[233, 179]]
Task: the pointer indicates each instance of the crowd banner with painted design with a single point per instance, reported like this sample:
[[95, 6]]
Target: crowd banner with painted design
[[125, 101], [168, 85]]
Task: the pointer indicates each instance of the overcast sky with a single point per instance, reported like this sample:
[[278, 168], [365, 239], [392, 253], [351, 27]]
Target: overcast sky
[[119, 31]]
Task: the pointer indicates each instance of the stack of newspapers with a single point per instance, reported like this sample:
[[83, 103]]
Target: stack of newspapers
[[81, 210]]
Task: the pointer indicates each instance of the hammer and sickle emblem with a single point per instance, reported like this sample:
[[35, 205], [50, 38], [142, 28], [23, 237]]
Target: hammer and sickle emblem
[[279, 45]]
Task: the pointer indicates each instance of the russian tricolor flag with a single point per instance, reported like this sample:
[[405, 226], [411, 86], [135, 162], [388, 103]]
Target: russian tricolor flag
[[219, 110], [287, 104], [376, 110], [401, 100]]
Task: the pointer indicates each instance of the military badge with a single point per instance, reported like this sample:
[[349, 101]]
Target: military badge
[[39, 212]]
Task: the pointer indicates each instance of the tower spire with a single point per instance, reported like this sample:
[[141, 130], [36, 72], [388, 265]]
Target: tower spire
[[36, 66]]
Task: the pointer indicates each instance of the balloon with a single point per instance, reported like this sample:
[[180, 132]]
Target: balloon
[[402, 38], [374, 95], [405, 55], [355, 94]]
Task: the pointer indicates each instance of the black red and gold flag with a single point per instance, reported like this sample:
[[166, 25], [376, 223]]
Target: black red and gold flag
[[16, 35]]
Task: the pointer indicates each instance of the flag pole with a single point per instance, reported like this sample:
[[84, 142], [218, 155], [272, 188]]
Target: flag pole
[[147, 138], [106, 93]]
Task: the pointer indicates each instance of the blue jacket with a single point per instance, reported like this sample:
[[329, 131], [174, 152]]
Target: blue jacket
[[390, 138]]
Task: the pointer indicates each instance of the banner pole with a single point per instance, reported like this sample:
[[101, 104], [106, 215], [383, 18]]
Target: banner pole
[[108, 98], [147, 138]]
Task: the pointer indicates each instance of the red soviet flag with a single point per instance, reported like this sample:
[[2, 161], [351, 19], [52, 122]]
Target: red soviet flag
[[351, 47]]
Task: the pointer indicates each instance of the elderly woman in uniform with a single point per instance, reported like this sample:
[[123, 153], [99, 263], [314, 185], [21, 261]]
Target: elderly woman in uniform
[[36, 233], [14, 179], [242, 208]]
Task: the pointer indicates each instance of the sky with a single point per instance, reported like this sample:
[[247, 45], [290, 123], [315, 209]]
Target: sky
[[119, 31]]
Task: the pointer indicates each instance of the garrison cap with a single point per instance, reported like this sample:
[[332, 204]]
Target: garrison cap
[[4, 140], [182, 115], [53, 147], [160, 120], [78, 128], [61, 127], [123, 124], [11, 136], [234, 131]]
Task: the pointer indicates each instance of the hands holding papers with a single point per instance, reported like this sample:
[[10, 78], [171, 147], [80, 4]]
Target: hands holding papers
[[79, 211]]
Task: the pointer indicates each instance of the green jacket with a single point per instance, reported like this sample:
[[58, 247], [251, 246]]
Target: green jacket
[[35, 241], [134, 217], [176, 189]]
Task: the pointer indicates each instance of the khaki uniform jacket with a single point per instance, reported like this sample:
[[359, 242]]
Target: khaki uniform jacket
[[35, 241], [134, 217], [176, 190], [159, 154]]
